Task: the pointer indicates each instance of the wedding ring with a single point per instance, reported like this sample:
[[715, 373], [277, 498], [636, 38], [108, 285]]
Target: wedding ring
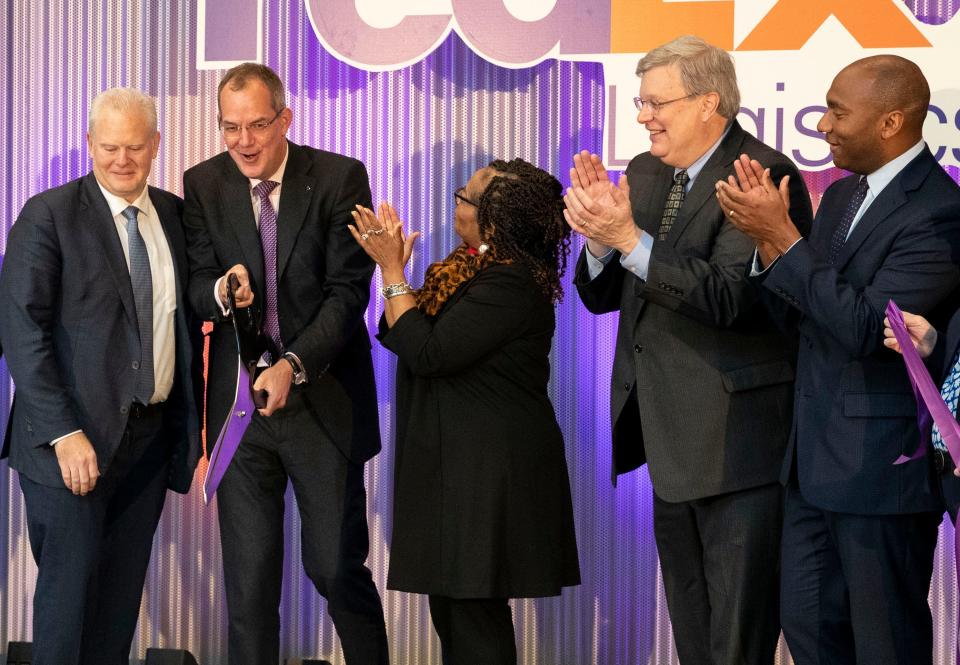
[[364, 236], [377, 232]]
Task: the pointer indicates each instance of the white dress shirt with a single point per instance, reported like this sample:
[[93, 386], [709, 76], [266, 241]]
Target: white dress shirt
[[164, 287]]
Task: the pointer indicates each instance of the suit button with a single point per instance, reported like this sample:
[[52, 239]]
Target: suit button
[[135, 364], [637, 348], [626, 386], [124, 410]]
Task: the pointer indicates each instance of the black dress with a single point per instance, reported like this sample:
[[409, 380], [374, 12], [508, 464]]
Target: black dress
[[482, 503]]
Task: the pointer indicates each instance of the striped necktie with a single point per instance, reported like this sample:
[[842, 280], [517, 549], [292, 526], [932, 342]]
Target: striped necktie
[[268, 241]]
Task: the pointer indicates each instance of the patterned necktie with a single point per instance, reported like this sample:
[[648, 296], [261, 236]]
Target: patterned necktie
[[840, 234], [268, 240], [141, 279], [949, 392], [674, 201]]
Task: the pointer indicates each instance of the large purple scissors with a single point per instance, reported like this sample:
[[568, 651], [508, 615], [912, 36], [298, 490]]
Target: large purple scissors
[[245, 401]]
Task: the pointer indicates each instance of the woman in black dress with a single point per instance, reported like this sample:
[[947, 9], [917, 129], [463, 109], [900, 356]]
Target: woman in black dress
[[482, 510]]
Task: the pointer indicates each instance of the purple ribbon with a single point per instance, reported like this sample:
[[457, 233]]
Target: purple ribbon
[[930, 406]]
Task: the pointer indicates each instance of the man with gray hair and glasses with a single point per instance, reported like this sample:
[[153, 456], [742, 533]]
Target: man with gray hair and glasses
[[702, 380], [103, 354]]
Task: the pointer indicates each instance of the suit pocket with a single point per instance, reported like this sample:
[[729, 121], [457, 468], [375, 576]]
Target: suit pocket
[[757, 376], [879, 405]]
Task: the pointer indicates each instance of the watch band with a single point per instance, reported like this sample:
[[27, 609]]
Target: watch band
[[299, 374]]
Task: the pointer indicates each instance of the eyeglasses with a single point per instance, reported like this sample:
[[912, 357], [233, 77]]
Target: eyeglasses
[[655, 107], [459, 198], [232, 131]]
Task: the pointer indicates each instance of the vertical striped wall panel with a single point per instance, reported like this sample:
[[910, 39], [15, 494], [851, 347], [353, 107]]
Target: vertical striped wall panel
[[421, 132]]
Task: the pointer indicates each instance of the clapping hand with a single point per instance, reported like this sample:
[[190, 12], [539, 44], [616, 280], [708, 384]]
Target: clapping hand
[[381, 236]]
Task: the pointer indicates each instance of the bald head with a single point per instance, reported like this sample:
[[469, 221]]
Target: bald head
[[897, 85]]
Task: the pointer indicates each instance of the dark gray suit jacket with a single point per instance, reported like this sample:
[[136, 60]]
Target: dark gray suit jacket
[[702, 379], [323, 285], [69, 330]]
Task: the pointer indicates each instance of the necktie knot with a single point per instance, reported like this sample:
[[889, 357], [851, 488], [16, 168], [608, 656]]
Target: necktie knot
[[263, 189], [681, 178], [130, 213]]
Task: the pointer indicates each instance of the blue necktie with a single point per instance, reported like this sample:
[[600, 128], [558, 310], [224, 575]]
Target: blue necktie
[[142, 281], [843, 229], [949, 392]]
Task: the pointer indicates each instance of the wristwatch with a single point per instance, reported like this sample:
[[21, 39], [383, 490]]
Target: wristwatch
[[299, 374]]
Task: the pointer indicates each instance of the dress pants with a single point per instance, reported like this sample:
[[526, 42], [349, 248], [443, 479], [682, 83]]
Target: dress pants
[[720, 562], [331, 499], [92, 551], [854, 587], [474, 631]]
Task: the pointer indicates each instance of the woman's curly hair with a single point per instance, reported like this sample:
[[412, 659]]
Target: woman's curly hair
[[520, 214], [520, 218]]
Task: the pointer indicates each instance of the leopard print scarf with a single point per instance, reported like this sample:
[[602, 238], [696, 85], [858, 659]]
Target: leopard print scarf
[[445, 277]]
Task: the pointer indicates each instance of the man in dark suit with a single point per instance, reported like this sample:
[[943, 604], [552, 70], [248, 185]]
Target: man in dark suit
[[275, 214], [103, 355], [859, 532], [702, 381]]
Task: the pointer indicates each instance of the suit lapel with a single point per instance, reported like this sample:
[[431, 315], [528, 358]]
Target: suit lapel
[[170, 223], [891, 198], [295, 196], [703, 190], [238, 211], [96, 216]]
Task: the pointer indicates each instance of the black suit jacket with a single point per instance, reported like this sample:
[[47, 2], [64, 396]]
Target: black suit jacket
[[710, 373], [69, 330], [323, 284], [855, 412]]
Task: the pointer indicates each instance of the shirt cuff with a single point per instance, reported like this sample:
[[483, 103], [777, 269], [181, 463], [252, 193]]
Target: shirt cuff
[[595, 264], [216, 297], [756, 269], [638, 261], [61, 438]]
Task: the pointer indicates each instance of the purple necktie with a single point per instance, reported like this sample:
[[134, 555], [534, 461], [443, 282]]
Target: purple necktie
[[840, 234], [268, 240]]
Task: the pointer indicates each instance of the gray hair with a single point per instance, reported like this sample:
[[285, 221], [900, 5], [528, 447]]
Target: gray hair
[[703, 68], [238, 76], [123, 100]]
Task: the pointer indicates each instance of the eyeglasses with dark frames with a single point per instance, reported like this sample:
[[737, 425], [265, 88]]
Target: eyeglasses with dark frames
[[459, 198]]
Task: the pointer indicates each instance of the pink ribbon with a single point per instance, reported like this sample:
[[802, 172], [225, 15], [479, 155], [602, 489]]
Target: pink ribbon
[[930, 406]]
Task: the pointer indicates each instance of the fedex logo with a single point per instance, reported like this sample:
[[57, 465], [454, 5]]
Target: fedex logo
[[384, 34], [786, 51]]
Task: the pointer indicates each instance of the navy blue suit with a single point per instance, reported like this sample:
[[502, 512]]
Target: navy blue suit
[[859, 532], [69, 328]]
